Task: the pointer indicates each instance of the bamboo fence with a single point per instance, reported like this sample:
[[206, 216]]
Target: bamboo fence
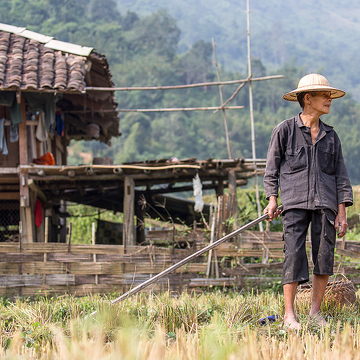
[[53, 268]]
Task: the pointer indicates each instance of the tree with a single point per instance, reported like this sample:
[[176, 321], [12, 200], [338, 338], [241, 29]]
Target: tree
[[196, 63], [105, 10]]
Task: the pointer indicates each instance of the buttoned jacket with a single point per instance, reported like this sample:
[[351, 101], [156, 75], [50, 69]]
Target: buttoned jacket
[[309, 176]]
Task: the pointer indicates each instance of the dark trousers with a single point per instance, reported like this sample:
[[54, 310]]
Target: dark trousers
[[323, 237]]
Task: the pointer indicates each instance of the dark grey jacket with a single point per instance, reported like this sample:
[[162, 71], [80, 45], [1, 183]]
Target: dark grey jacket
[[310, 176]]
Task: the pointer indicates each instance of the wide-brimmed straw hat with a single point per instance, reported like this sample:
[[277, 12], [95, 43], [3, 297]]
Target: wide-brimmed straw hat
[[313, 82]]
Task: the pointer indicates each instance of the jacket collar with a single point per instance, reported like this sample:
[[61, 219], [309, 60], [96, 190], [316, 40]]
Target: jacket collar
[[322, 125]]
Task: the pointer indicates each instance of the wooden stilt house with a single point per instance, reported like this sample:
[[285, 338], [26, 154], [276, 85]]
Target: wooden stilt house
[[43, 106]]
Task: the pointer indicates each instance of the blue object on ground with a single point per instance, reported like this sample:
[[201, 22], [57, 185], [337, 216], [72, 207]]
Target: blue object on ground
[[270, 318]]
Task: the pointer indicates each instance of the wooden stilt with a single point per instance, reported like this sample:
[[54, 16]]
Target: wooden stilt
[[129, 199], [26, 215]]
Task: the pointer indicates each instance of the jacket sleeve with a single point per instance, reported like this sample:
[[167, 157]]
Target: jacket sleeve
[[273, 162], [343, 185]]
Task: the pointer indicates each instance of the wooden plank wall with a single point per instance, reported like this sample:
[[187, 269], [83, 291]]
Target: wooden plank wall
[[50, 268]]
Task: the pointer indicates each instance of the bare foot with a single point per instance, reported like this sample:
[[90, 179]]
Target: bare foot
[[291, 323], [319, 319]]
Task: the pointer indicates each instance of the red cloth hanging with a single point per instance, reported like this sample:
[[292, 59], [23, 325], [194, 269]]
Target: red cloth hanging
[[38, 213]]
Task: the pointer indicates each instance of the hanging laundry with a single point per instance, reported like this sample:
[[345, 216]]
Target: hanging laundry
[[38, 213], [8, 98], [41, 134], [60, 126], [3, 144], [14, 132], [45, 102]]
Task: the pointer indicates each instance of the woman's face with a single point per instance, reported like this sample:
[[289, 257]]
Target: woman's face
[[319, 102]]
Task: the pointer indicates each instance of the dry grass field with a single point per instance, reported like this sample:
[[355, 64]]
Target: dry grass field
[[214, 325]]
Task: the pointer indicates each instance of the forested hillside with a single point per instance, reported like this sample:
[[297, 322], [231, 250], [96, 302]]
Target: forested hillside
[[147, 50], [322, 35]]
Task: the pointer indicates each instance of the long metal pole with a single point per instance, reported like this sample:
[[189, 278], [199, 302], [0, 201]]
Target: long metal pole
[[252, 116], [188, 259]]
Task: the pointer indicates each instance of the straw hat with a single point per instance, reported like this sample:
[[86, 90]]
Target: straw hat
[[313, 82]]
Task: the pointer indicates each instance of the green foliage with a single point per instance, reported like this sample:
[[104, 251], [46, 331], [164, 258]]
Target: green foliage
[[82, 217], [248, 209], [147, 48]]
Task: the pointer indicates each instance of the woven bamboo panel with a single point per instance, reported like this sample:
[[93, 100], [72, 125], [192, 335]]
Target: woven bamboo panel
[[52, 268]]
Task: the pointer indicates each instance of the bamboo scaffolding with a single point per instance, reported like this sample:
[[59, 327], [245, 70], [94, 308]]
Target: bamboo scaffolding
[[174, 87], [222, 101], [232, 96]]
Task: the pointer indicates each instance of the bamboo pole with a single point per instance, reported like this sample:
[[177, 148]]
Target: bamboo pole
[[252, 116], [212, 108], [232, 96], [222, 101], [155, 110], [174, 87], [211, 242]]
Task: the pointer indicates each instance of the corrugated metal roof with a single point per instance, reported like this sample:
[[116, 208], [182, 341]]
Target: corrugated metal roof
[[49, 41]]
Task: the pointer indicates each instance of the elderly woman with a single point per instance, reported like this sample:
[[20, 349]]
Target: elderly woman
[[305, 160]]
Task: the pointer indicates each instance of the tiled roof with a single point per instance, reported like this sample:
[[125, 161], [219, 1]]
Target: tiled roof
[[28, 64], [34, 62]]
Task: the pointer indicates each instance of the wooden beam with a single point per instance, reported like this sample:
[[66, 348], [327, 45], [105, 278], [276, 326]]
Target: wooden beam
[[8, 170], [28, 123], [36, 190], [14, 187], [9, 196]]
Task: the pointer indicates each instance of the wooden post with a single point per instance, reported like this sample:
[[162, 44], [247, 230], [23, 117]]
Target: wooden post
[[46, 235], [26, 215], [220, 189], [94, 255], [69, 248], [129, 200], [63, 222], [140, 224], [219, 231], [64, 144], [232, 191], [20, 248]]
